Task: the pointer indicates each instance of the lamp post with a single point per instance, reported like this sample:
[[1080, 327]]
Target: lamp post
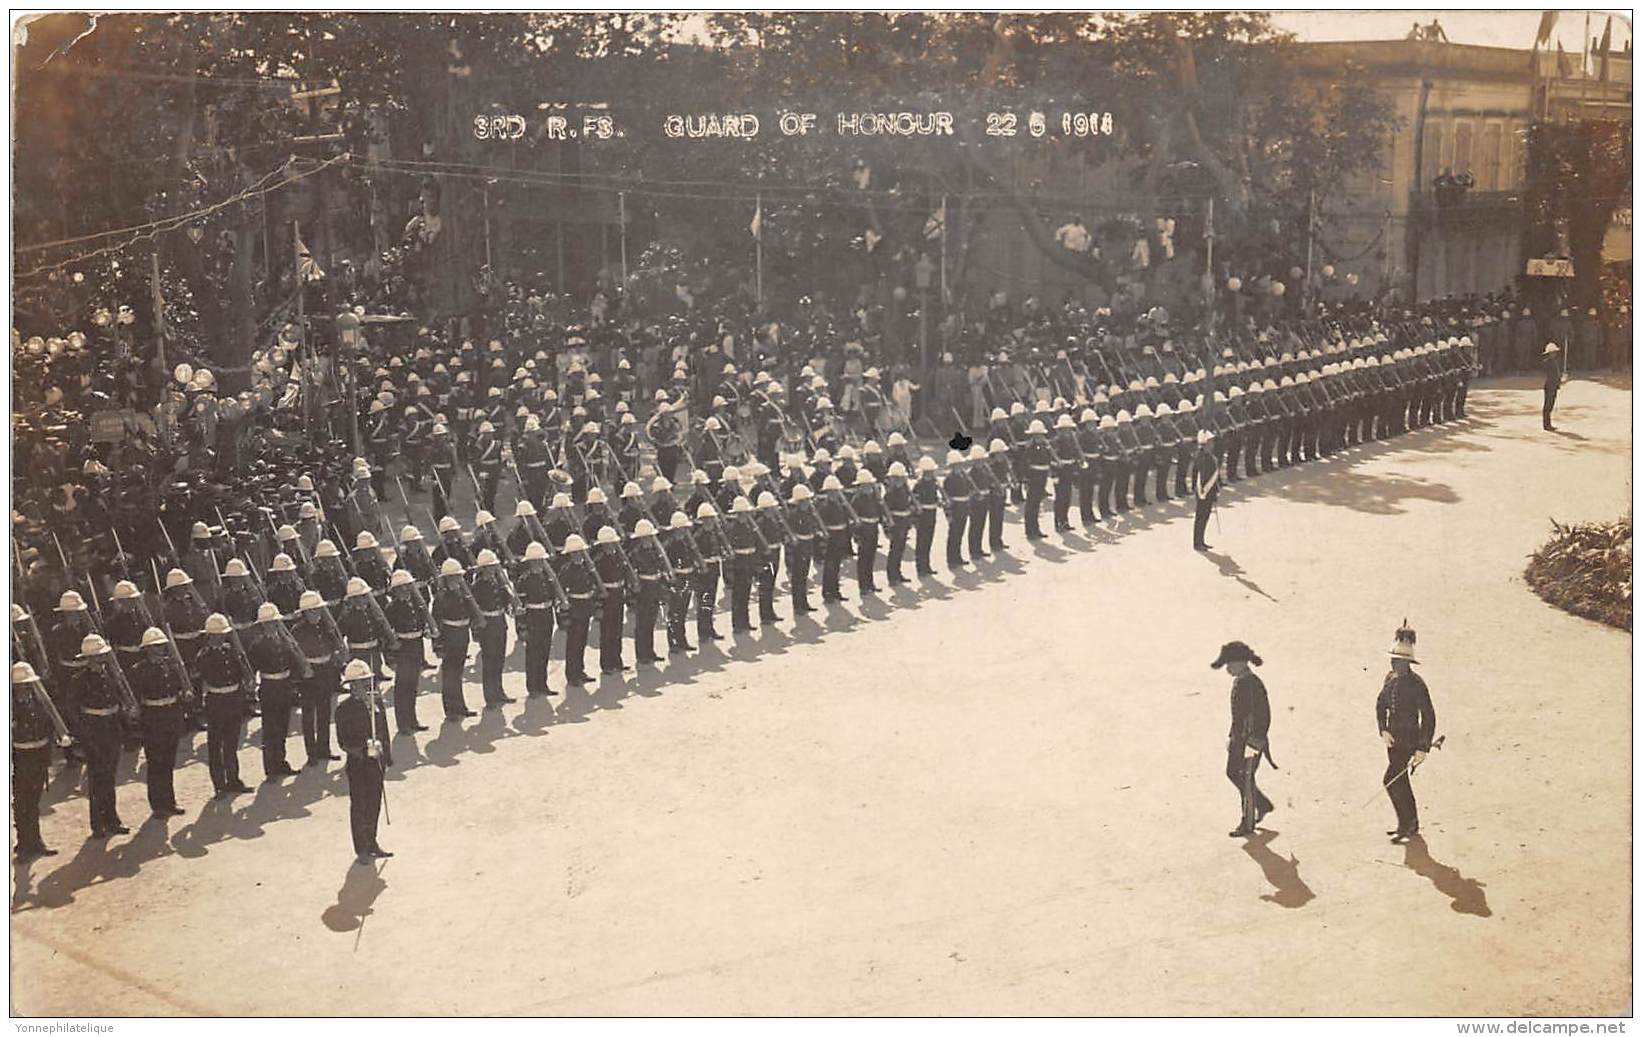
[[922, 272]]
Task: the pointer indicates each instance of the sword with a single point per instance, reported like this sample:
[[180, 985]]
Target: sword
[[1404, 773]]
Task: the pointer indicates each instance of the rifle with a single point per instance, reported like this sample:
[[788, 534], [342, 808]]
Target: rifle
[[167, 534], [182, 671], [64, 739]]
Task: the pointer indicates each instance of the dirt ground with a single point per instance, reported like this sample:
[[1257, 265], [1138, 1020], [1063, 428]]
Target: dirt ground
[[1001, 792]]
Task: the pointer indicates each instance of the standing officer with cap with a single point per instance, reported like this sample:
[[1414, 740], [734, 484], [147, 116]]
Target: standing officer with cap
[[362, 733], [406, 612], [324, 649], [1205, 486], [926, 492], [281, 669], [456, 612], [1551, 364], [224, 673], [1407, 721], [958, 490], [539, 592], [1036, 463], [100, 694], [1247, 741], [898, 506], [581, 586]]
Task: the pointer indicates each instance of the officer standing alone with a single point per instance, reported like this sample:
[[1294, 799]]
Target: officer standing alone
[[1407, 722]]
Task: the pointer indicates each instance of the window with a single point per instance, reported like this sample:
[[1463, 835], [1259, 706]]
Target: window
[[1432, 155], [1488, 177], [1462, 149]]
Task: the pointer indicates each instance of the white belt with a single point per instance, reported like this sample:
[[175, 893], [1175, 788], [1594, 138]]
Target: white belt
[[172, 701], [487, 612], [322, 660], [88, 711], [454, 622], [544, 605], [41, 744], [362, 644], [185, 636], [281, 675], [213, 689], [128, 648]]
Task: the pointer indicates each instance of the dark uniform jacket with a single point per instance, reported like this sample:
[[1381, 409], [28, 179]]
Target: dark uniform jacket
[[1404, 708], [1250, 717]]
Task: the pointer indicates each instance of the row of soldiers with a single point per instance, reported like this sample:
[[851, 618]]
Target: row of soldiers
[[266, 620]]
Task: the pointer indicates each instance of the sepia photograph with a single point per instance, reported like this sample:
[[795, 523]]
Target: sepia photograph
[[695, 514]]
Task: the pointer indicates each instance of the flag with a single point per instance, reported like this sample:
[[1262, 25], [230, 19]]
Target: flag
[[1607, 42], [935, 226], [1547, 22], [307, 268], [757, 226]]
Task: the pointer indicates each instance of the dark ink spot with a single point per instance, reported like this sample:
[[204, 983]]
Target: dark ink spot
[[959, 442]]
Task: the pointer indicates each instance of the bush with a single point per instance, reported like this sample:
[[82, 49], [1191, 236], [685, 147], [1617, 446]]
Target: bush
[[1586, 570]]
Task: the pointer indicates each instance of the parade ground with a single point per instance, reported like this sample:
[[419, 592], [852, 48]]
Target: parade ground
[[996, 792]]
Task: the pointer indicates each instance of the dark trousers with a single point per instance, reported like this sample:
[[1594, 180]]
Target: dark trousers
[[1240, 770], [1086, 489], [995, 530], [897, 551], [1118, 480], [1183, 463], [29, 768], [538, 638], [225, 722], [667, 461], [441, 483], [741, 592], [162, 727], [706, 581], [956, 518], [1401, 790], [866, 556], [1200, 523], [610, 631], [798, 574], [407, 678], [277, 696], [644, 620], [452, 660], [1160, 467], [100, 738], [837, 544], [317, 693], [1063, 498], [678, 609], [1550, 402], [492, 654], [487, 489], [575, 642], [766, 586], [364, 802], [1035, 487], [979, 506], [925, 540]]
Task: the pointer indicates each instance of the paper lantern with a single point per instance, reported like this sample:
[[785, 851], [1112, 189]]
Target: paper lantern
[[54, 346], [1278, 288], [78, 277], [102, 318], [1328, 270], [76, 340], [203, 380], [1351, 279], [1234, 284], [184, 374]]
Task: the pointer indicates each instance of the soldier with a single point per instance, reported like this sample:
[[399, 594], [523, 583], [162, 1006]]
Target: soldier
[[1065, 461], [406, 612], [926, 493], [581, 586], [494, 595], [1037, 461], [487, 464], [617, 580], [743, 536], [1407, 722], [380, 433], [199, 562], [184, 613], [1550, 362], [1088, 440], [957, 491], [833, 509], [100, 695], [35, 722], [442, 460], [368, 562], [712, 548], [328, 576], [684, 558], [806, 529], [362, 732], [773, 533], [1248, 740], [596, 515], [983, 489], [650, 565], [322, 648], [699, 494], [281, 669], [632, 509], [284, 584], [224, 674], [451, 546], [899, 507], [665, 433], [1205, 486], [866, 515], [414, 556], [456, 613], [539, 592], [532, 458]]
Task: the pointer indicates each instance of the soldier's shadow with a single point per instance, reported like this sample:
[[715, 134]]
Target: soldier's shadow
[[1288, 888], [1465, 895], [536, 717], [356, 900], [1231, 570], [443, 748]]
